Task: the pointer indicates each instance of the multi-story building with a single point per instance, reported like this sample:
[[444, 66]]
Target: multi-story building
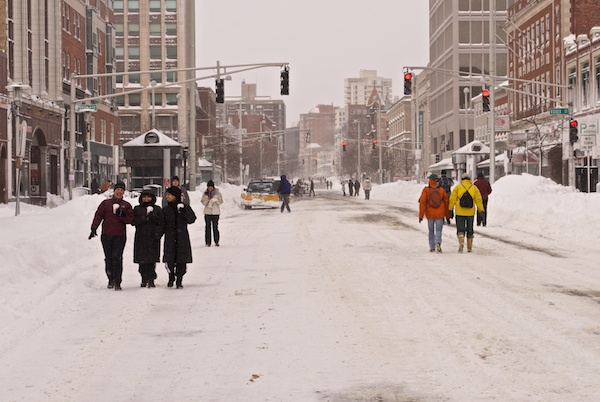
[[153, 36], [88, 49], [251, 103], [320, 123], [36, 102], [459, 56], [5, 163], [358, 90]]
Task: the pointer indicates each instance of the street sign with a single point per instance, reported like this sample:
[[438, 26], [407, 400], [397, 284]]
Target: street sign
[[559, 110], [587, 142], [86, 108], [588, 126]]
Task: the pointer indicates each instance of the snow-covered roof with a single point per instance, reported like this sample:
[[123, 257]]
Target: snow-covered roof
[[152, 138], [472, 148], [445, 163]]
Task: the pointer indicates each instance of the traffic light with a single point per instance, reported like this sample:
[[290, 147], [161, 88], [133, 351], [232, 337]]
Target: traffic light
[[485, 94], [308, 137], [285, 81], [220, 90], [573, 130], [344, 146], [374, 142], [407, 83]]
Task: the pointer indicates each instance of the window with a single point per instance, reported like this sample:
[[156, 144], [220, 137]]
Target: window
[[171, 76], [171, 5], [118, 6], [155, 29], [133, 52], [171, 52], [585, 84], [119, 53], [120, 101], [157, 99], [133, 6], [171, 99], [119, 29], [134, 100], [155, 6], [133, 29], [155, 52], [597, 79], [171, 28], [134, 79]]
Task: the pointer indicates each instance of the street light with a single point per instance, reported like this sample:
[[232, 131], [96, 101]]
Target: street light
[[466, 91], [20, 140], [358, 147]]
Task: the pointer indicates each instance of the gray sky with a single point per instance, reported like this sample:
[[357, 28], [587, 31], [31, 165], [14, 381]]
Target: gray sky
[[324, 42]]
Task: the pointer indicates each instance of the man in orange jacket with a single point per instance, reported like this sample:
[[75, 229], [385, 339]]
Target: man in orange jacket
[[433, 204]]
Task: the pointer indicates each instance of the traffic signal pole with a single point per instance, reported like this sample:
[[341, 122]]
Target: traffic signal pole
[[492, 117]]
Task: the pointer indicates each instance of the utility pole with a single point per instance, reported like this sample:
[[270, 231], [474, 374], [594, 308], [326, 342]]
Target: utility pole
[[492, 123]]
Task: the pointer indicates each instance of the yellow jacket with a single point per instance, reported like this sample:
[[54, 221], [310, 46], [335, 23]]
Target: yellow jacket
[[458, 192]]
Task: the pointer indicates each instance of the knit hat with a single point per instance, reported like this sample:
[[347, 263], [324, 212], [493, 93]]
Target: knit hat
[[176, 191], [480, 175], [466, 176], [175, 178], [210, 183], [120, 185], [443, 172]]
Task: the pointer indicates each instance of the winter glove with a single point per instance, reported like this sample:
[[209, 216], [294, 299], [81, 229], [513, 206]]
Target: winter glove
[[149, 209], [115, 207], [92, 234], [120, 212], [180, 207], [420, 220]]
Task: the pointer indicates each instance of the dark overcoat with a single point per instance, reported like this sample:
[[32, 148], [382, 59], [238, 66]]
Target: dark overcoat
[[177, 246], [148, 231]]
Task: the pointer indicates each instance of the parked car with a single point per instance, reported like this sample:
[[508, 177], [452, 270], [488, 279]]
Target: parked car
[[261, 193]]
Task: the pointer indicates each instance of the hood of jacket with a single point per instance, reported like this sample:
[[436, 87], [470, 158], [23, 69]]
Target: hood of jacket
[[146, 192]]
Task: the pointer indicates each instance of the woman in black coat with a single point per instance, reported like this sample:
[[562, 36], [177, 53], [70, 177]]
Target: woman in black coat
[[148, 220], [177, 248]]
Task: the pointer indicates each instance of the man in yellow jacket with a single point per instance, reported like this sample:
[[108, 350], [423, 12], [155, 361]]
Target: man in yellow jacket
[[465, 211]]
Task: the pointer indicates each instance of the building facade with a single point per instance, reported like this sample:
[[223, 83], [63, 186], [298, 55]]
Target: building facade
[[358, 90]]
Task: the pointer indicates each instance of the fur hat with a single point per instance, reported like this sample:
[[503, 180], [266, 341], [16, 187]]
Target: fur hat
[[466, 176], [210, 183], [176, 191], [120, 185]]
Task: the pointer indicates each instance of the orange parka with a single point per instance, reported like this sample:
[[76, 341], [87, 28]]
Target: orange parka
[[427, 210]]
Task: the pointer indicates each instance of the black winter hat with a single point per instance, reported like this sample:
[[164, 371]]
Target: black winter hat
[[175, 178], [176, 191], [210, 183], [120, 185]]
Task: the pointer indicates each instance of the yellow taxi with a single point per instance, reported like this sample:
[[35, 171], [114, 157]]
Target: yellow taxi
[[261, 193]]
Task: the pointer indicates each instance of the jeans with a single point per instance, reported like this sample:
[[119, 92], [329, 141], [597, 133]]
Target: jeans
[[286, 202], [212, 221], [482, 216], [113, 256], [435, 231]]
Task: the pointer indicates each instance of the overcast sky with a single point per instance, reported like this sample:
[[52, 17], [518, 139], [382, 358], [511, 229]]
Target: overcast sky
[[324, 41]]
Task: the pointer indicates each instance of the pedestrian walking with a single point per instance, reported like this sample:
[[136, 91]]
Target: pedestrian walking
[[367, 186], [312, 188], [446, 183], [114, 214], [184, 193], [177, 252], [464, 198], [284, 191], [148, 220], [211, 199], [485, 188], [350, 187], [356, 187], [344, 183], [433, 204]]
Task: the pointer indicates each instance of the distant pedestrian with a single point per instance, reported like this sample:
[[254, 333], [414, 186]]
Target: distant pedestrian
[[433, 204], [344, 182], [148, 220], [211, 199], [350, 187], [177, 252], [367, 186], [312, 188], [446, 183], [485, 188], [284, 190], [356, 187], [95, 187], [184, 194], [464, 198], [115, 214]]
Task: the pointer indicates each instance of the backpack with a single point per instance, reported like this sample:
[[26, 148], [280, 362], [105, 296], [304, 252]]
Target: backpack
[[466, 201], [445, 183], [435, 199]]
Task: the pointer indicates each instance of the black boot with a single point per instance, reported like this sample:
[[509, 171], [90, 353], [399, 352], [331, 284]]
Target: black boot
[[179, 285], [110, 285], [171, 280], [144, 282], [151, 283]]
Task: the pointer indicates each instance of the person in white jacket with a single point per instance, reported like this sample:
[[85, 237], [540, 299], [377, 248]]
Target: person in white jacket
[[367, 186], [211, 199]]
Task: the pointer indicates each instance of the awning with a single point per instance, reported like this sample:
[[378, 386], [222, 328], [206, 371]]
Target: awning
[[472, 148], [499, 161], [441, 165]]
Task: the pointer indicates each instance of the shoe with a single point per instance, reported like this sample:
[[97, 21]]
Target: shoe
[[431, 250], [151, 283], [143, 284], [118, 287], [171, 280], [217, 244], [179, 285], [110, 285], [438, 247], [208, 245]]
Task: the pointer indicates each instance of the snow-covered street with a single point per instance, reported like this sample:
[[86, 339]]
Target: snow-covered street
[[339, 300]]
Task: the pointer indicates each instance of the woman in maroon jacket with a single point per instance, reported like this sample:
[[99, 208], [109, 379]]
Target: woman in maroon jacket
[[114, 213], [485, 188]]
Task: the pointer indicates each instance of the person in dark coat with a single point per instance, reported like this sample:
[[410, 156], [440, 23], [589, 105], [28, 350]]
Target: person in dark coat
[[284, 190], [350, 187], [356, 187], [185, 198], [485, 188], [95, 187], [148, 220], [177, 252], [114, 213], [312, 188]]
